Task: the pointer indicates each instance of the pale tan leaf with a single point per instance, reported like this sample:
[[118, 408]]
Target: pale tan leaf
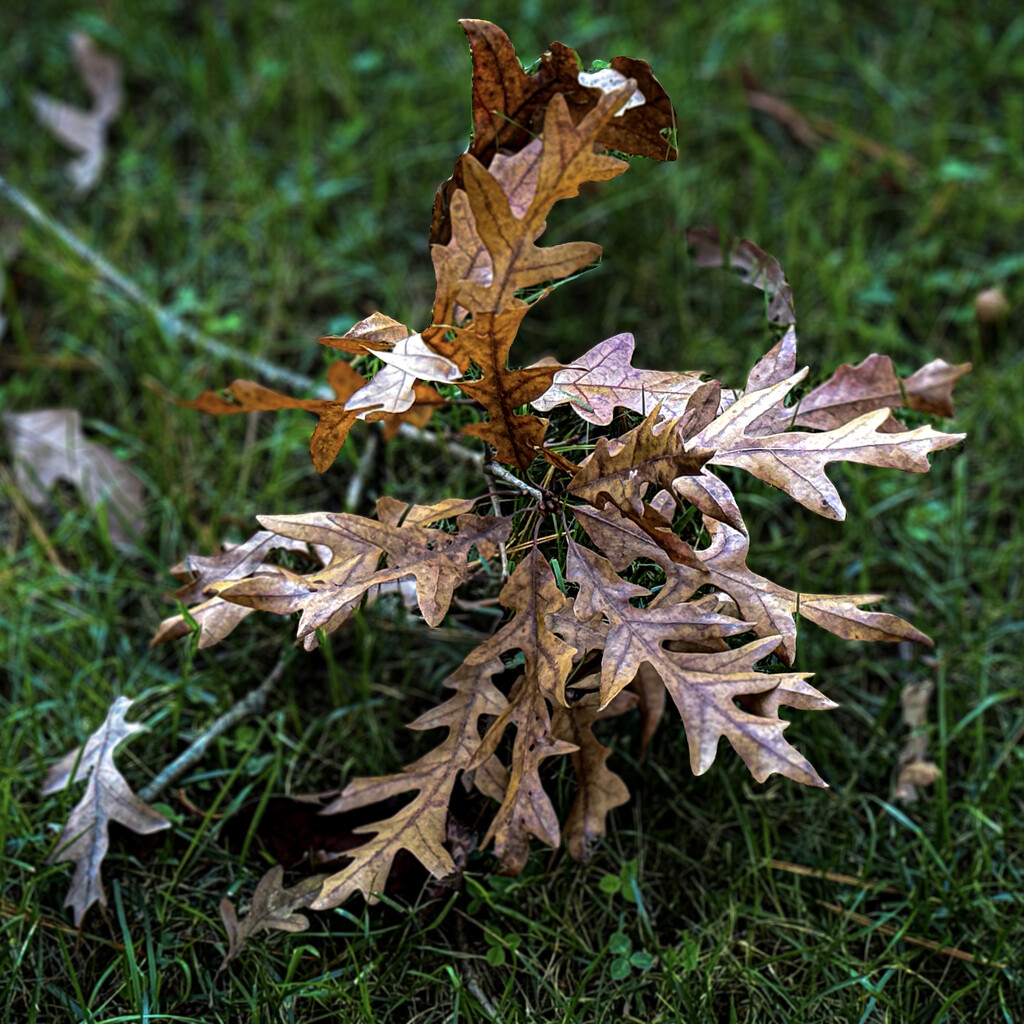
[[107, 797], [795, 461], [603, 379], [85, 131], [48, 445]]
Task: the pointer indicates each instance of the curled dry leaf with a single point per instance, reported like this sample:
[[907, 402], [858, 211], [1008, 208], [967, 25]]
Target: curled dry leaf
[[85, 131], [273, 908], [107, 797], [48, 445]]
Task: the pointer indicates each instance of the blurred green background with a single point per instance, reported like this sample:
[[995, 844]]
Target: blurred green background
[[270, 179]]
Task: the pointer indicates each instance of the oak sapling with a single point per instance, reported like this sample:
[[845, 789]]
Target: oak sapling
[[586, 499]]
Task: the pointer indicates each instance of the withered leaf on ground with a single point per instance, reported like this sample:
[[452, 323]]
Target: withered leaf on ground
[[107, 797], [85, 131], [756, 267], [273, 907], [48, 445]]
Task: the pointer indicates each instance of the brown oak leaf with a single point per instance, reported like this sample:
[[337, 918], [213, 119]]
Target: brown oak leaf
[[273, 907]]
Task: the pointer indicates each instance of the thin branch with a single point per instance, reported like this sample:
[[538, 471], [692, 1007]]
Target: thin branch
[[251, 704], [513, 481]]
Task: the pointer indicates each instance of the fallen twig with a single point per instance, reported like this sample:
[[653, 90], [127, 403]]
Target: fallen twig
[[251, 704], [884, 929]]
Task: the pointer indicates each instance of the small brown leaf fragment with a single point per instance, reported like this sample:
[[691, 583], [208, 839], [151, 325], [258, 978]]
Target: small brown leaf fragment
[[197, 572], [930, 389], [85, 131], [107, 797], [334, 420], [48, 445], [273, 907], [757, 268], [620, 471], [377, 333], [599, 790], [916, 771]]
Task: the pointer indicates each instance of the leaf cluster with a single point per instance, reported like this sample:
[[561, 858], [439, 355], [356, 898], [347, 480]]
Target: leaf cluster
[[586, 500]]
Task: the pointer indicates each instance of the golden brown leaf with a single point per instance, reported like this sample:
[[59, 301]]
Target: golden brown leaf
[[508, 107], [599, 790], [620, 471], [420, 826]]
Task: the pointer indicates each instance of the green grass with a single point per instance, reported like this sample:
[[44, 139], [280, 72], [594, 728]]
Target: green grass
[[270, 179]]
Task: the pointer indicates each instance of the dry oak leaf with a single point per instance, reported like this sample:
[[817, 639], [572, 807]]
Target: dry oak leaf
[[632, 635], [854, 390], [599, 789], [48, 445], [214, 617], [757, 268], [107, 797], [603, 379], [526, 809], [197, 572], [567, 160], [706, 688], [392, 388], [335, 420], [85, 131], [772, 608], [501, 391], [436, 559], [421, 826], [620, 471], [507, 103], [273, 907], [795, 461]]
